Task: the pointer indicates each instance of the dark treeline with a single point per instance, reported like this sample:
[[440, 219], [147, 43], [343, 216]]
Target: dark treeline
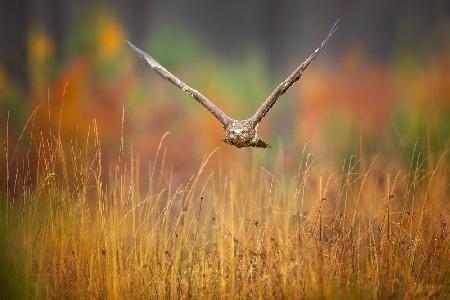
[[282, 29]]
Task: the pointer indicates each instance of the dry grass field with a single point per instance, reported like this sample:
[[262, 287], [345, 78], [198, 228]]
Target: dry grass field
[[77, 227]]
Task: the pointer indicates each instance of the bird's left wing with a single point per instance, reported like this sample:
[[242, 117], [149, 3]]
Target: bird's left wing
[[161, 71], [283, 87]]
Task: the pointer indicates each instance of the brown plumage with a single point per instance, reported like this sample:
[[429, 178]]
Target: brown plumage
[[239, 133]]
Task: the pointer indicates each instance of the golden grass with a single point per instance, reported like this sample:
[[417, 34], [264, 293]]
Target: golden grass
[[78, 228]]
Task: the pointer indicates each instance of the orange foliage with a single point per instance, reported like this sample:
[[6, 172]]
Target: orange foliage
[[110, 37], [426, 84], [355, 88], [41, 47], [358, 94]]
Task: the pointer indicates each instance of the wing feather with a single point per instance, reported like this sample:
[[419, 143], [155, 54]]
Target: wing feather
[[161, 71], [286, 84]]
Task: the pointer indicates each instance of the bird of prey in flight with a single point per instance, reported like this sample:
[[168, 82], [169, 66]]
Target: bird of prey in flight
[[239, 133]]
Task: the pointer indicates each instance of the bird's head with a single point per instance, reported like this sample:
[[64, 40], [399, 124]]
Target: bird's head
[[240, 133]]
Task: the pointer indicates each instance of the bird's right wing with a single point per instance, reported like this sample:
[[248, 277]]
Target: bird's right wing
[[161, 71]]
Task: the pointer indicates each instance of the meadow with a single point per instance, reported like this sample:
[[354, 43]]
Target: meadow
[[99, 202], [76, 228]]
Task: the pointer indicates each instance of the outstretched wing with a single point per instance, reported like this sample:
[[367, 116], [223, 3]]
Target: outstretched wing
[[282, 87], [161, 71]]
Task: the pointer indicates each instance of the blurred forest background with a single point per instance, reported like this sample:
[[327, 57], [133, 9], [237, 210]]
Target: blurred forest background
[[380, 86], [89, 210]]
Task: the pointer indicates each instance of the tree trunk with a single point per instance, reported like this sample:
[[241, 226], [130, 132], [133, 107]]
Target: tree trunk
[[14, 16]]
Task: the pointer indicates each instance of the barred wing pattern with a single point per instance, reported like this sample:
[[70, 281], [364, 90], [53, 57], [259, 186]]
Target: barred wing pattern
[[161, 71]]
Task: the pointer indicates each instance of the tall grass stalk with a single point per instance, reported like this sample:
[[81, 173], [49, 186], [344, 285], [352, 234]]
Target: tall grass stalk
[[87, 229]]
